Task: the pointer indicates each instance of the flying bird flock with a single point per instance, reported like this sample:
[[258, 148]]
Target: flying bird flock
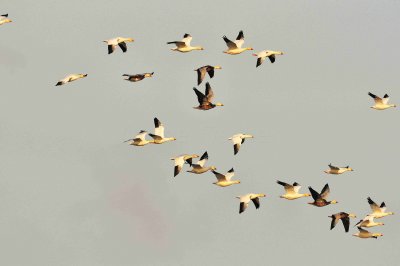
[[225, 179]]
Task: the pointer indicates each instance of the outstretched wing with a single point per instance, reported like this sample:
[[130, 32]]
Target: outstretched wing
[[111, 49], [256, 202], [315, 195], [272, 58], [325, 191], [220, 177], [123, 47], [376, 98], [239, 39], [346, 223], [373, 205], [231, 45], [260, 60], [203, 159], [178, 44], [201, 73], [201, 98], [159, 128], [209, 92]]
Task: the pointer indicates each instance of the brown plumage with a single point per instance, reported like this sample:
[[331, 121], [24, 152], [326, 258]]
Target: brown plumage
[[345, 217], [205, 100], [320, 199]]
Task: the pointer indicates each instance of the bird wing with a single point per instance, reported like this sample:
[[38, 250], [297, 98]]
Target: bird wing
[[325, 191], [123, 46], [210, 71], [243, 206], [346, 223], [155, 137], [260, 60], [178, 44], [334, 221], [231, 45], [333, 167], [111, 48], [201, 98], [288, 188], [378, 100], [219, 176], [159, 128], [272, 58], [382, 207], [256, 202], [230, 174], [209, 92], [239, 39], [187, 38], [315, 195], [385, 99], [375, 208], [201, 73], [296, 187], [203, 159], [141, 135]]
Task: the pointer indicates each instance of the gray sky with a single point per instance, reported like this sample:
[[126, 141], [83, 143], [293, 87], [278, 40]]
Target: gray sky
[[71, 193]]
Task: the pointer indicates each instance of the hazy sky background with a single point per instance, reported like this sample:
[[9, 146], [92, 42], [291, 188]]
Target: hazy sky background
[[71, 193]]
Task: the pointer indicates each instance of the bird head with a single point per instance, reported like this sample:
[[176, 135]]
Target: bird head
[[219, 104], [352, 215], [333, 202], [217, 67]]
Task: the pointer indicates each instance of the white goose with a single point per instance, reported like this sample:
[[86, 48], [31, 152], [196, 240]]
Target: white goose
[[378, 211], [365, 234], [238, 140], [180, 161], [199, 168], [158, 135], [261, 56], [70, 78], [235, 47], [225, 180], [4, 19], [183, 46], [140, 139], [368, 221], [292, 191], [120, 41], [245, 199], [334, 170], [381, 103]]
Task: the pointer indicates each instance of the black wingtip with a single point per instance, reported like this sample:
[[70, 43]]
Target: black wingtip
[[59, 83], [231, 170]]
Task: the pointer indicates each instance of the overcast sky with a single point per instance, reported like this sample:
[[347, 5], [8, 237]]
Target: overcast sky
[[72, 193]]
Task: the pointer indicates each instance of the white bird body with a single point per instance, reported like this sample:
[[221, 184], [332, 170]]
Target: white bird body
[[365, 234], [140, 139], [180, 160], [70, 78], [120, 41], [225, 180], [158, 135], [199, 168], [261, 56], [381, 103], [238, 140], [292, 191], [334, 170], [378, 211], [245, 199], [4, 19], [235, 47], [368, 221], [184, 46]]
